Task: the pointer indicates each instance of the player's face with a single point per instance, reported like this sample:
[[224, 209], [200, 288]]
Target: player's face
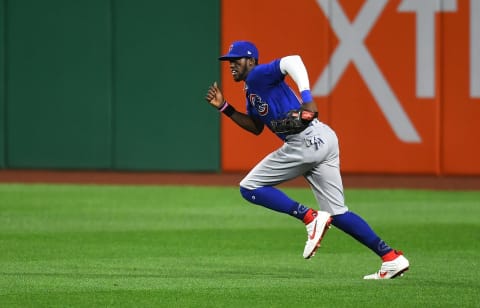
[[240, 68]]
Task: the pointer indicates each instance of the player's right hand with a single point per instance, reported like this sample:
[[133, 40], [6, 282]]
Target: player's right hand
[[214, 96]]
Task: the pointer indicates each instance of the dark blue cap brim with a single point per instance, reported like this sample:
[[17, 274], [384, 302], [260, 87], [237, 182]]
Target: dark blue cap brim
[[230, 56]]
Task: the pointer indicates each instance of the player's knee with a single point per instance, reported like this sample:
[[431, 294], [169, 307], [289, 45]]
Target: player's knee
[[246, 193], [246, 183]]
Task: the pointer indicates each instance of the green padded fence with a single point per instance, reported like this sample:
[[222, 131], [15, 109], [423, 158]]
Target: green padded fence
[[108, 84]]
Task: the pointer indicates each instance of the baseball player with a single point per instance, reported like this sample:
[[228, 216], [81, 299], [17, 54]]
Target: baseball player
[[310, 149]]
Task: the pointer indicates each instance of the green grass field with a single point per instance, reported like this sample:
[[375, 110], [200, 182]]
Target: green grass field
[[160, 246]]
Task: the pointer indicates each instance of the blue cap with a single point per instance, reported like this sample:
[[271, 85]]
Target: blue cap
[[240, 49]]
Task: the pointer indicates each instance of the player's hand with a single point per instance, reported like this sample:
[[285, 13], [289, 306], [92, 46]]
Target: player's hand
[[214, 96]]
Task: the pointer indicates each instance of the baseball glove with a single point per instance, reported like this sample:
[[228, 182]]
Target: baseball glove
[[295, 122]]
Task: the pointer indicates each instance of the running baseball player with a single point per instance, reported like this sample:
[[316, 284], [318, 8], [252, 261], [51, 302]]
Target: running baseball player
[[310, 149]]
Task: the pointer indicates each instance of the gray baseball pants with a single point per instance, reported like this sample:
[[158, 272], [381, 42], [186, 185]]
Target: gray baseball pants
[[313, 154]]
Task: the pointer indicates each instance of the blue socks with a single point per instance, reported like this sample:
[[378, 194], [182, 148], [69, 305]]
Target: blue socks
[[274, 199], [358, 228], [349, 222]]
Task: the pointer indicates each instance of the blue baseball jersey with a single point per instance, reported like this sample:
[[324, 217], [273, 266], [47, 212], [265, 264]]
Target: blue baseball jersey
[[268, 95]]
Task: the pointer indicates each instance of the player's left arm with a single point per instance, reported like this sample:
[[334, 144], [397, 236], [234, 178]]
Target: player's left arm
[[295, 68]]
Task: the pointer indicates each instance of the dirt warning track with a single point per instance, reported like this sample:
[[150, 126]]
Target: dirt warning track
[[230, 179]]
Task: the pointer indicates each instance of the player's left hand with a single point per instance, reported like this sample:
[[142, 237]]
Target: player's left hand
[[214, 96]]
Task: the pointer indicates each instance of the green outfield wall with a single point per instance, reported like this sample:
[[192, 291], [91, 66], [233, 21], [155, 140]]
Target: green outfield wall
[[108, 84], [2, 84]]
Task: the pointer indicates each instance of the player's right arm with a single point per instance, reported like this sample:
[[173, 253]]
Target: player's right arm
[[215, 98]]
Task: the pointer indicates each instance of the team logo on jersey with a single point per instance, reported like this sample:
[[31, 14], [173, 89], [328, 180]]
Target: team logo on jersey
[[258, 104]]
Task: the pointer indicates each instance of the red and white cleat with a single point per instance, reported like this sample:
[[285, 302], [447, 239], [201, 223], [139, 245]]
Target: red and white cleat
[[391, 269], [315, 231]]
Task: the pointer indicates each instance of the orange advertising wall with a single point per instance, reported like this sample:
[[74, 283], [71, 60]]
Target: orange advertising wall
[[398, 80]]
